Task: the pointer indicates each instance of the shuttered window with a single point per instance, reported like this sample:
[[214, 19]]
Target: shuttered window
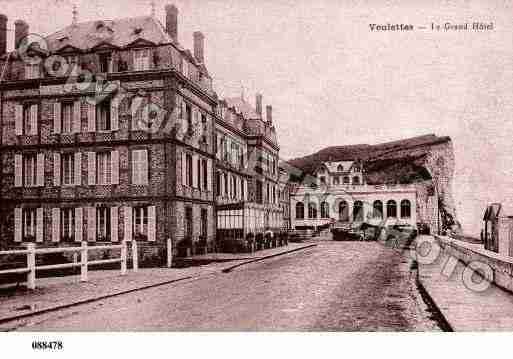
[[29, 170], [103, 222], [29, 224], [67, 117], [103, 117], [29, 114], [103, 168], [68, 224], [68, 168], [140, 222]]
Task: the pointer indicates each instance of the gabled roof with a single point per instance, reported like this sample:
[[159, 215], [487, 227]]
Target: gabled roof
[[118, 33], [333, 166]]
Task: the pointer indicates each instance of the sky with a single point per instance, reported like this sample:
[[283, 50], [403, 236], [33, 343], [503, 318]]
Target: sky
[[331, 81]]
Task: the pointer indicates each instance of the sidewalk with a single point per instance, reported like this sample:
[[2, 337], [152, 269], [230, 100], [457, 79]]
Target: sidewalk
[[57, 292], [462, 308]]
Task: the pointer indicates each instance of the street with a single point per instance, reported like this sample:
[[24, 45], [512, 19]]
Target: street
[[336, 286]]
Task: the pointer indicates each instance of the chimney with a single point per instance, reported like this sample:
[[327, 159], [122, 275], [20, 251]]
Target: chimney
[[269, 110], [172, 21], [199, 41], [3, 34], [21, 31], [258, 104]]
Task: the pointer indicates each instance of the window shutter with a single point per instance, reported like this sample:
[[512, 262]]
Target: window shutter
[[151, 223], [91, 117], [195, 173], [78, 224], [114, 163], [57, 117], [135, 167], [40, 169], [78, 169], [184, 169], [77, 118], [209, 174], [56, 169], [56, 224], [134, 106], [18, 168], [143, 158], [33, 120], [39, 224], [246, 190], [91, 224], [18, 119], [18, 224], [127, 218], [114, 113], [91, 168], [113, 224]]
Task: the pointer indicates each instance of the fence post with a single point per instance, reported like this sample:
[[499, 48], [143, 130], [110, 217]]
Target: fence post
[[169, 252], [83, 261], [31, 265], [135, 256], [123, 257]]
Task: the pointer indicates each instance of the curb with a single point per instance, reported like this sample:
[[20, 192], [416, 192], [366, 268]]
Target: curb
[[229, 269], [85, 301], [430, 301]]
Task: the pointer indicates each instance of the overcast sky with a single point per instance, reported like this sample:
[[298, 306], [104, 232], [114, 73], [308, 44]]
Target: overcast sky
[[332, 81]]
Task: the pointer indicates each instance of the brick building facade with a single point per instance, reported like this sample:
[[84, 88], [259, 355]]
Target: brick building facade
[[107, 135]]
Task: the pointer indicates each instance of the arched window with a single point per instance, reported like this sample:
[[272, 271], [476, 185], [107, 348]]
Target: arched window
[[312, 210], [358, 211], [377, 209], [340, 168], [300, 210], [346, 179], [391, 208], [405, 208], [356, 180], [321, 170], [325, 210], [343, 211]]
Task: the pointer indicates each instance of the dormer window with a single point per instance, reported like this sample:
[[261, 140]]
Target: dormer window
[[32, 71], [105, 60], [340, 168], [142, 60]]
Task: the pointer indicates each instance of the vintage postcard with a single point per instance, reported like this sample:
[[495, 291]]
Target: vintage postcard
[[255, 166]]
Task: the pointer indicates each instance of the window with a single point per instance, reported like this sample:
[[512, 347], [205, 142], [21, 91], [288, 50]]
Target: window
[[323, 180], [377, 209], [346, 179], [358, 211], [68, 224], [343, 211], [205, 174], [67, 168], [198, 173], [67, 117], [325, 210], [102, 223], [340, 168], [188, 169], [226, 184], [140, 221], [357, 168], [300, 210], [336, 180], [140, 167], [72, 63], [103, 168], [218, 183], [356, 180], [29, 224], [142, 60], [103, 116], [391, 208], [268, 194], [204, 222], [188, 116], [30, 119], [32, 71], [242, 190], [259, 191], [29, 170], [405, 208], [321, 170], [105, 62], [188, 222], [312, 210]]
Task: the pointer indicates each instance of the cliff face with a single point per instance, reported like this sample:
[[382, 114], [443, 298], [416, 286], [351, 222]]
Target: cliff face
[[426, 161]]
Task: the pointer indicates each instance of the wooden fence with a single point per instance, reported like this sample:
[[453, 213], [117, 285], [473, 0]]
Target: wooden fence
[[31, 252]]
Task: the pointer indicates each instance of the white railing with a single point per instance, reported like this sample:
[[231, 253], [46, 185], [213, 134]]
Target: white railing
[[31, 252]]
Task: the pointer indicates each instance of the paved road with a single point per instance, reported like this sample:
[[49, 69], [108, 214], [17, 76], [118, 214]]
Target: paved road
[[350, 286]]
